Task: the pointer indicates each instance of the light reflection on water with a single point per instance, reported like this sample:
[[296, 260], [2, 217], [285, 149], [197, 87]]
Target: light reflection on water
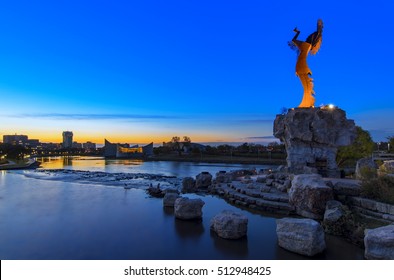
[[168, 168], [42, 219]]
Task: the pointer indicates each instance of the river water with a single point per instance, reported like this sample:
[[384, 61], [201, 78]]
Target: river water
[[169, 168], [41, 218]]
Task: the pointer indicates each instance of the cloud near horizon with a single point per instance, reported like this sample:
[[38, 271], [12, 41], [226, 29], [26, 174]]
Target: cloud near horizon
[[261, 137], [61, 116]]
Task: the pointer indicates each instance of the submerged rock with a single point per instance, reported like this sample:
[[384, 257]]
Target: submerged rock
[[223, 177], [203, 180], [302, 236], [169, 199], [188, 185], [188, 209], [156, 191], [230, 225]]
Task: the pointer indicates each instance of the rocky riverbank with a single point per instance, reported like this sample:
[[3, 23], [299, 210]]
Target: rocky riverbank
[[21, 164], [333, 205]]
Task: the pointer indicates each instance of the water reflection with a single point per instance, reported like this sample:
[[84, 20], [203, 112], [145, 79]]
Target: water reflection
[[336, 248], [135, 162], [282, 254], [180, 169], [168, 211], [67, 161], [73, 162], [189, 229], [237, 248]]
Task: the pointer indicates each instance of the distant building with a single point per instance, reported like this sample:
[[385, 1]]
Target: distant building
[[15, 139], [67, 139], [89, 146], [77, 145], [51, 146], [33, 143], [117, 150]]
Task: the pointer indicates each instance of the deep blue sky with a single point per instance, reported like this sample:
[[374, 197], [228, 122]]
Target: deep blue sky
[[141, 71]]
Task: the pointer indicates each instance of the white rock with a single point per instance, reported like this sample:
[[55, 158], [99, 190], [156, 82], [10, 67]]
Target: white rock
[[379, 243], [309, 195], [169, 199], [333, 212], [230, 225], [302, 236], [188, 209], [364, 163], [203, 180]]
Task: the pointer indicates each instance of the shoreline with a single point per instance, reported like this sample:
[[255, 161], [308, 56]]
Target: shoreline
[[204, 159], [12, 165], [219, 159]]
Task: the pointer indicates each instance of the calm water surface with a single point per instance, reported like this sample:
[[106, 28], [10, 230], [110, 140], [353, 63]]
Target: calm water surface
[[168, 168], [41, 219]]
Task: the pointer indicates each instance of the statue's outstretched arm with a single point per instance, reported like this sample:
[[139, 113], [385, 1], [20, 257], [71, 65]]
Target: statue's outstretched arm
[[297, 33]]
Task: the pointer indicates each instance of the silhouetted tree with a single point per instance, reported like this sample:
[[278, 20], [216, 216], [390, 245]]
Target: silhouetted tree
[[244, 148], [186, 142], [209, 150], [187, 139], [176, 145], [391, 144]]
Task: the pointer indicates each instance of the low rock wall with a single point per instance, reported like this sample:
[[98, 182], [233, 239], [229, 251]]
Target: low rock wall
[[255, 197], [349, 191], [373, 209]]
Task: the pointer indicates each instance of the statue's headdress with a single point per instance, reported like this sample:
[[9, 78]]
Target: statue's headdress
[[315, 38]]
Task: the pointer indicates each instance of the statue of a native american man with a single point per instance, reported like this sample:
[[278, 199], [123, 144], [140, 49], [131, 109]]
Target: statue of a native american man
[[311, 45]]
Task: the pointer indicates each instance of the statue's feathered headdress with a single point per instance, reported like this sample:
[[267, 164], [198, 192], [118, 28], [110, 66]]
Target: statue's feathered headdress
[[315, 38]]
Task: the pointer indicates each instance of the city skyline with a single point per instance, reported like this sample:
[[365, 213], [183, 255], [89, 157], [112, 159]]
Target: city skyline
[[217, 72]]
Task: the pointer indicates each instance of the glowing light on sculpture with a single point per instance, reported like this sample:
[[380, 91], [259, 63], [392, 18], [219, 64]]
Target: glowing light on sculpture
[[310, 46]]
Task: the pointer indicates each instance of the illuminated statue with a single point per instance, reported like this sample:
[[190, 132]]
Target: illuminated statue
[[311, 45]]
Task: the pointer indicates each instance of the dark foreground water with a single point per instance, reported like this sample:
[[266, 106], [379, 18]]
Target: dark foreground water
[[47, 219]]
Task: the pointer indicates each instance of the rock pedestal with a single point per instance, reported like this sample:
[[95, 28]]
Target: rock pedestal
[[188, 209], [302, 236], [230, 225], [312, 137]]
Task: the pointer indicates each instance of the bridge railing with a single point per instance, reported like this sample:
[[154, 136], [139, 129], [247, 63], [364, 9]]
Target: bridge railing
[[382, 156]]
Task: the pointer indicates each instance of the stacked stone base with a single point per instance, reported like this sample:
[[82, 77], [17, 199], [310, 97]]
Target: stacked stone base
[[260, 197], [312, 137]]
